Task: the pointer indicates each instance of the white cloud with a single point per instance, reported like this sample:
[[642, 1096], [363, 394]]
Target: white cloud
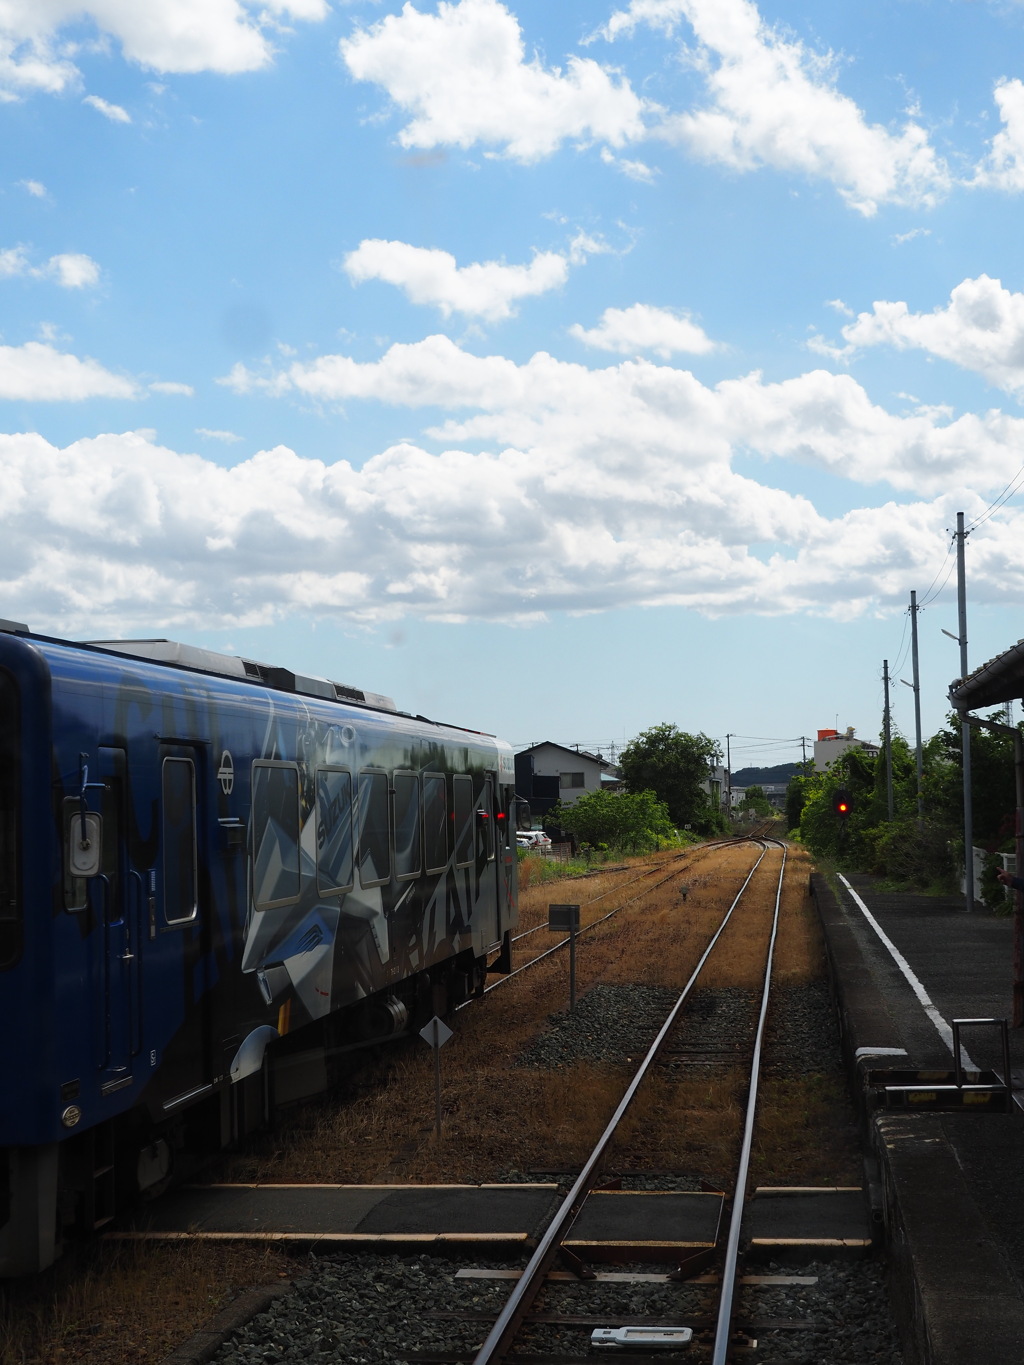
[[487, 289], [464, 77], [212, 434], [654, 423], [115, 532], [34, 187], [980, 329], [643, 327], [13, 261], [1003, 167], [172, 388], [38, 372], [551, 487], [901, 237], [71, 270], [114, 112], [226, 36], [635, 170], [773, 102]]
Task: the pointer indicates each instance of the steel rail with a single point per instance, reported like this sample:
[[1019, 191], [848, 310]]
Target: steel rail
[[727, 1291], [501, 1335]]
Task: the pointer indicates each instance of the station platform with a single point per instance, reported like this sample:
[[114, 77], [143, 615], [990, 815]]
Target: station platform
[[951, 1184]]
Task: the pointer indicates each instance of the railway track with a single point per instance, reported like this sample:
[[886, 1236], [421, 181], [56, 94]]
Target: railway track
[[500, 1339], [589, 925]]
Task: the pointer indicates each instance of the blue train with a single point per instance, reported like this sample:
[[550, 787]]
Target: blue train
[[216, 878]]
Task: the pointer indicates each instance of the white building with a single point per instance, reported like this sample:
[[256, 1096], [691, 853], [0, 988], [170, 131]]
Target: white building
[[830, 744], [549, 772]]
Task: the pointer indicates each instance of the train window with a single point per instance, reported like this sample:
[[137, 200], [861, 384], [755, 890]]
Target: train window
[[275, 834], [334, 859], [485, 822], [178, 790], [462, 794], [374, 842], [406, 808], [435, 822]]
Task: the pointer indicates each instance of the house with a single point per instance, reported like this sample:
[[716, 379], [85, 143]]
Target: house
[[830, 744], [549, 772]]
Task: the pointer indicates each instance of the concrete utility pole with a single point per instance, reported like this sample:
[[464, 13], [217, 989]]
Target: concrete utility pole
[[965, 729], [728, 776], [917, 707], [888, 741]]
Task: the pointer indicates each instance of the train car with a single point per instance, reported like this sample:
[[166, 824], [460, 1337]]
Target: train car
[[217, 877]]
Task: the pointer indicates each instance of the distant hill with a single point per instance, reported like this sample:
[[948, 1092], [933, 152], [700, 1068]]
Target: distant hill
[[750, 777]]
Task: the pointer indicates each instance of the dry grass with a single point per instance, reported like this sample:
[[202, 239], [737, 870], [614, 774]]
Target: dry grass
[[806, 1134], [499, 1116], [123, 1302]]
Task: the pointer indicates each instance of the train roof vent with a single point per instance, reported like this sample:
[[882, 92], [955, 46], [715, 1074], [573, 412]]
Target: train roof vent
[[343, 693], [185, 656], [14, 627], [356, 695], [305, 684], [252, 669]]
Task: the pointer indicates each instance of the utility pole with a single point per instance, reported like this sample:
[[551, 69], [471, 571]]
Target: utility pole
[[888, 741], [917, 707], [728, 776], [965, 729]]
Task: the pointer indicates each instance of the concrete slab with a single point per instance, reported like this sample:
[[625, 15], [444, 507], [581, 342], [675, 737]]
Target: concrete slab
[[356, 1212], [647, 1219], [835, 1218], [362, 1214]]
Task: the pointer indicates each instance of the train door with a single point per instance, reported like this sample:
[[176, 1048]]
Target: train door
[[117, 916], [506, 869], [178, 935], [488, 845]]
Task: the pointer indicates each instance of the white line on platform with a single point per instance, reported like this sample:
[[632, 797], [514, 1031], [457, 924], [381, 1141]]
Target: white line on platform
[[943, 1029]]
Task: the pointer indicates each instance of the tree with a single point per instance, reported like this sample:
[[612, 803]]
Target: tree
[[754, 799], [993, 791], [632, 821], [674, 766], [796, 795]]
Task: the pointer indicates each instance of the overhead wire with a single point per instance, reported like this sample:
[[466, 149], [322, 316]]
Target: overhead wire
[[1000, 500]]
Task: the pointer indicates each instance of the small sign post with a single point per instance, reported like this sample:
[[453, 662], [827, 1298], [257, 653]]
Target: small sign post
[[435, 1035], [567, 917]]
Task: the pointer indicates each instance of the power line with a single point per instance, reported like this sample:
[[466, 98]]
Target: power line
[[1000, 500]]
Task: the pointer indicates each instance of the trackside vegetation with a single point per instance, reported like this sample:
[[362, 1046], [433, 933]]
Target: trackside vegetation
[[928, 853], [630, 822], [675, 766]]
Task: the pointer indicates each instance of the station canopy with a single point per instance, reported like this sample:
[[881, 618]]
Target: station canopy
[[1000, 680]]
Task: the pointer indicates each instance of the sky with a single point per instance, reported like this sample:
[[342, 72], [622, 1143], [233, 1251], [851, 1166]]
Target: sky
[[558, 370]]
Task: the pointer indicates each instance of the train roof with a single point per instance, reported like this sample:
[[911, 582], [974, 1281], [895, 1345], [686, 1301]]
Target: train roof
[[195, 659]]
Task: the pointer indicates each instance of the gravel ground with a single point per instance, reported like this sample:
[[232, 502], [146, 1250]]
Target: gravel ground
[[802, 1031], [615, 1025], [366, 1310], [610, 1024]]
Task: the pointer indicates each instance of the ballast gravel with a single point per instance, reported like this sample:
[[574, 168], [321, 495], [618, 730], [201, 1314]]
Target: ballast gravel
[[368, 1310]]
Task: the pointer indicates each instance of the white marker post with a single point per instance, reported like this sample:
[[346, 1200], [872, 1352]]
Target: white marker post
[[435, 1035]]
